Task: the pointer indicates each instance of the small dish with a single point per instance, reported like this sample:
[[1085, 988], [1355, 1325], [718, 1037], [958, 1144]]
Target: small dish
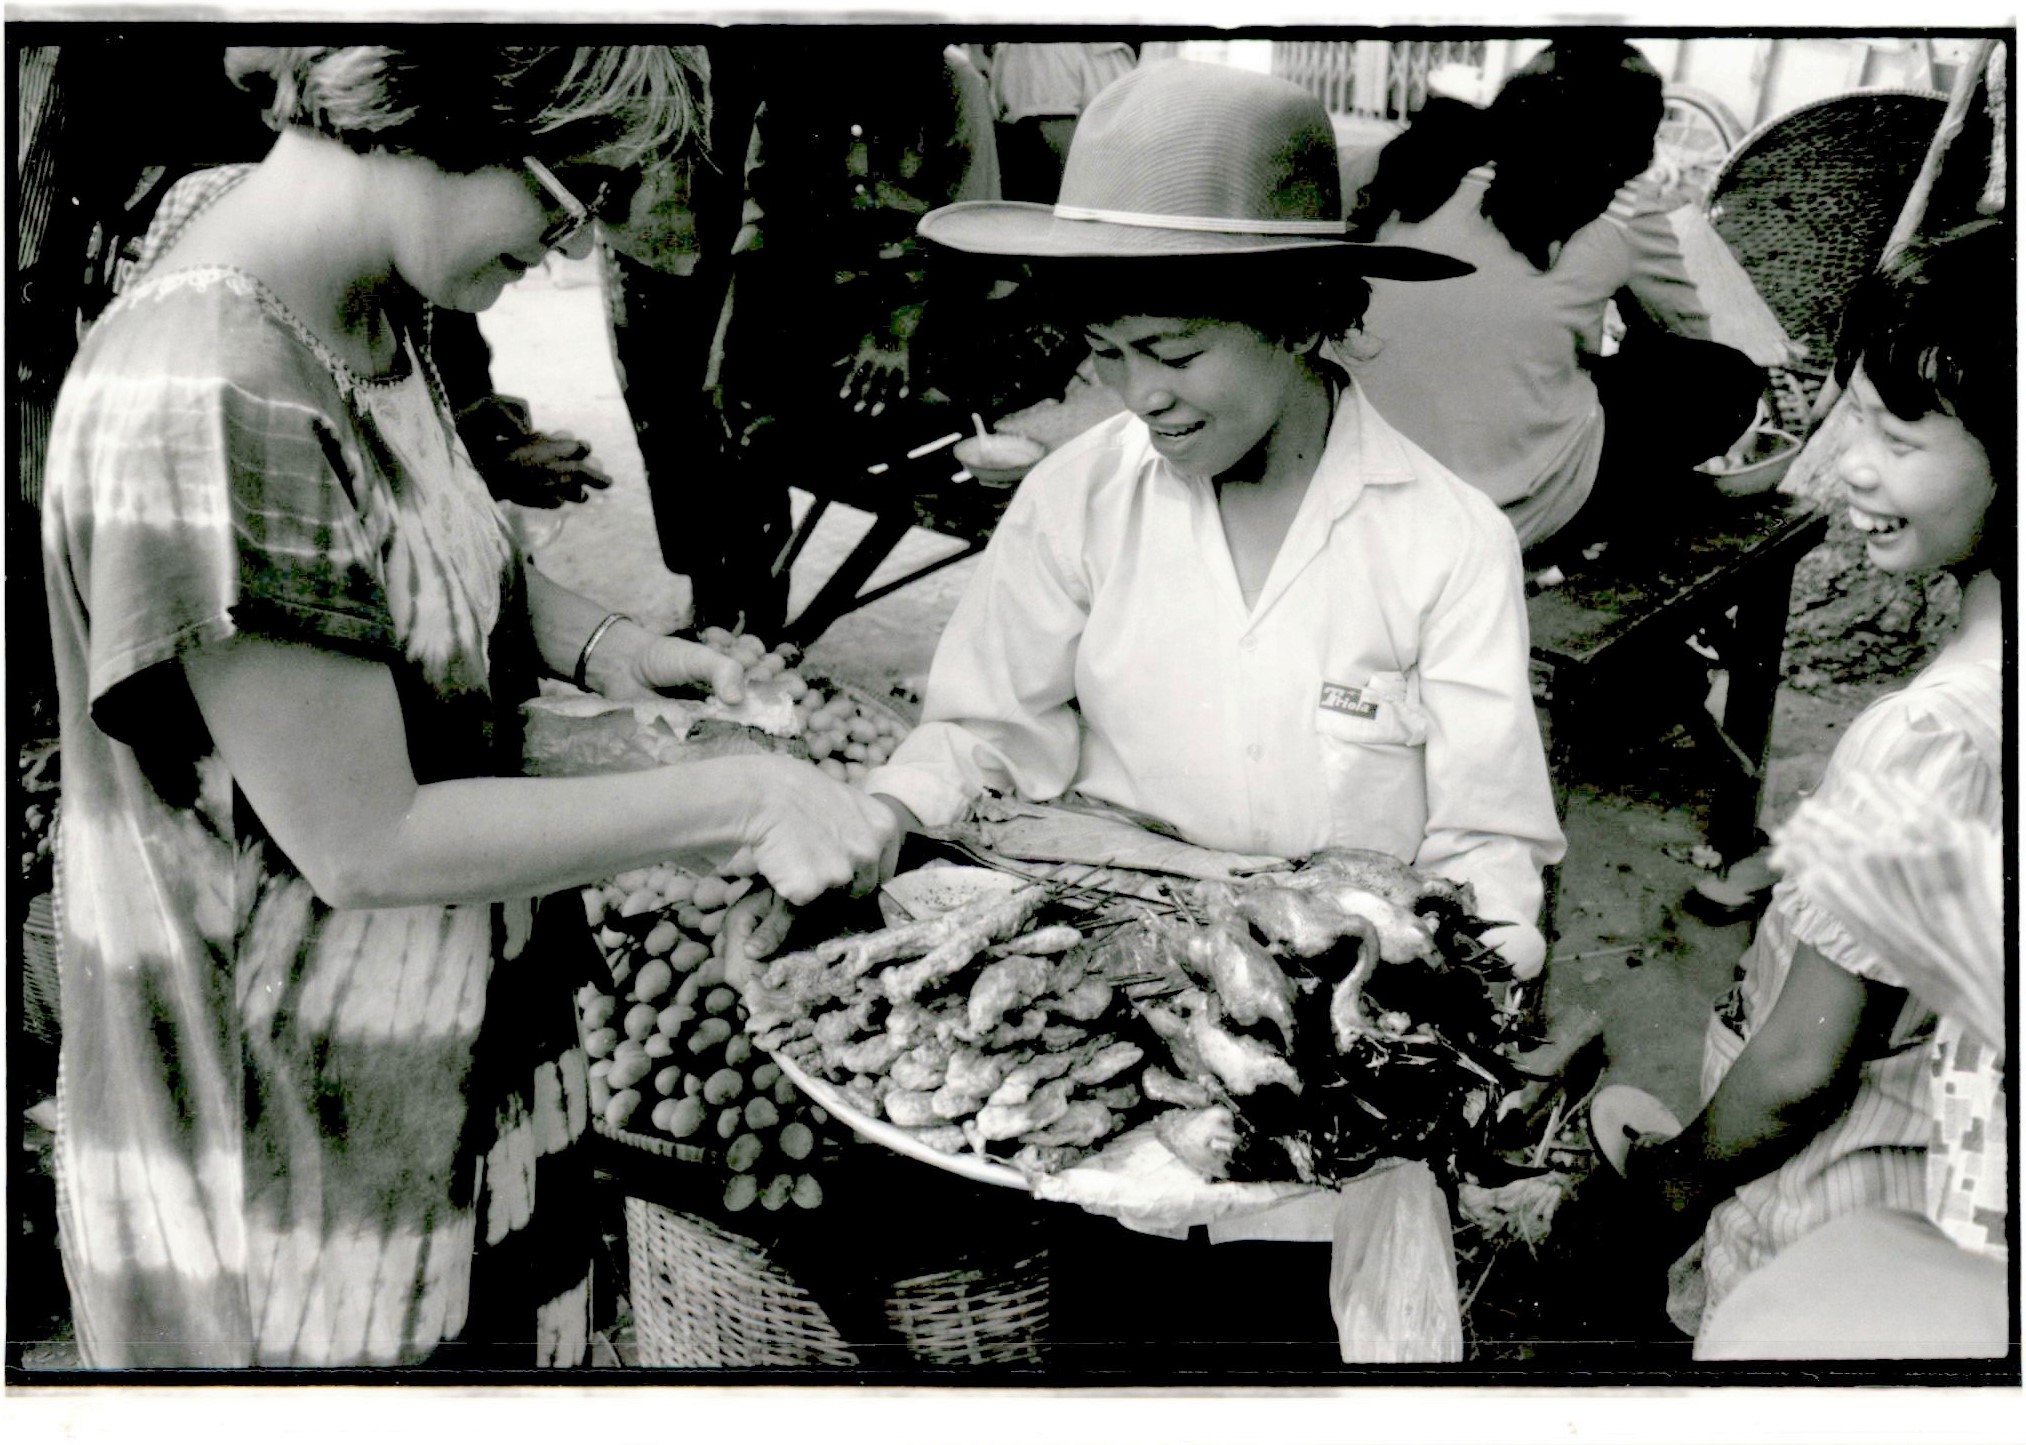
[[999, 459], [1756, 464]]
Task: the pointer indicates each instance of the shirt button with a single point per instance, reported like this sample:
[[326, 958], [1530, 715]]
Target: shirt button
[[1252, 752]]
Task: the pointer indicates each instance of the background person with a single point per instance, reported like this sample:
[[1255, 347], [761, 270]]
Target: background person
[[1502, 374]]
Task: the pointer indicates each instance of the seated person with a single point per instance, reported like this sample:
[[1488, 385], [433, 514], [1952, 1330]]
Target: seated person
[[1244, 605], [1819, 1067], [1502, 374]]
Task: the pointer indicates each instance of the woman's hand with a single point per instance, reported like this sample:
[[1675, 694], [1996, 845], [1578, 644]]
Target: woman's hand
[[1521, 946], [631, 662], [810, 833], [877, 372], [754, 929]]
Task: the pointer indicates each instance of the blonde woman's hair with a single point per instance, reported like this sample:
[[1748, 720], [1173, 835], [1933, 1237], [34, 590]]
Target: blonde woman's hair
[[467, 106]]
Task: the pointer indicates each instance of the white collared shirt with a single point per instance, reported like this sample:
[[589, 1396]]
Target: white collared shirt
[[1375, 695]]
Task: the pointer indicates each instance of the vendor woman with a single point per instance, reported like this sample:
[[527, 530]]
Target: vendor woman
[[1245, 605]]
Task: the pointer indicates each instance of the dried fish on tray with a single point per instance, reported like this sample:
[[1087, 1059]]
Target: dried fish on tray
[[1256, 1021]]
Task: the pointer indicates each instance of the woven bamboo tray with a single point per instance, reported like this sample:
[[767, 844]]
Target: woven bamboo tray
[[705, 1297]]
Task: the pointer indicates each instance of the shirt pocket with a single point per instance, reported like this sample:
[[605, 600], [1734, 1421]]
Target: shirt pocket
[[1371, 737], [1383, 711]]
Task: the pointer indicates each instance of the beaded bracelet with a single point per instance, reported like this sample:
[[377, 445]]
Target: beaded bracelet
[[597, 635]]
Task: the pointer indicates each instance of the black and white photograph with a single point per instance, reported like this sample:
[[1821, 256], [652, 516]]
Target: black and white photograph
[[789, 715]]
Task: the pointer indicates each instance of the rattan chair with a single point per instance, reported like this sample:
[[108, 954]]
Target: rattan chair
[[1807, 201]]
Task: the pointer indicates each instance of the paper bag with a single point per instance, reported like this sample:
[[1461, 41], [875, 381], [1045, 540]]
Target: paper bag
[[1393, 1271]]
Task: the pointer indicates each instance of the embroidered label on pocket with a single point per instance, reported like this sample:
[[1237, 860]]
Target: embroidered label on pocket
[[1348, 700]]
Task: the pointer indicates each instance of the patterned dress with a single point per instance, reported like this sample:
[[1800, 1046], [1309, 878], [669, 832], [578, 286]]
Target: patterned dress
[[1942, 737], [285, 1137]]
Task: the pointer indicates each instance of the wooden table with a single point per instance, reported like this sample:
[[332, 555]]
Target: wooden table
[[909, 491], [1717, 571]]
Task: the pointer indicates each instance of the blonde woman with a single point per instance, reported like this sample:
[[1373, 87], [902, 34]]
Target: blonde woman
[[318, 1089]]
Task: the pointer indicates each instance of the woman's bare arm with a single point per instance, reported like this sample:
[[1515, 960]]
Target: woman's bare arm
[[316, 744]]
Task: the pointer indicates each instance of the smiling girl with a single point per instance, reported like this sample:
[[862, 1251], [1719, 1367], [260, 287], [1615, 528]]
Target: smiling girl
[[1817, 1067]]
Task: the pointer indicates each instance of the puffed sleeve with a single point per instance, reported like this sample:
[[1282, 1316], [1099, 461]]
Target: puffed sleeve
[[1491, 811], [998, 713], [200, 486], [1936, 743]]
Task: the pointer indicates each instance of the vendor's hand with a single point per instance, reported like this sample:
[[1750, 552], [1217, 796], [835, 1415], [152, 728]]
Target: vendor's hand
[[905, 822], [754, 929], [1521, 946], [875, 374], [810, 833], [631, 662]]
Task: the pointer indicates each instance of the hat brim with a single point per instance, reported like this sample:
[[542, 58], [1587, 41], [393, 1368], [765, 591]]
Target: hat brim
[[1031, 230]]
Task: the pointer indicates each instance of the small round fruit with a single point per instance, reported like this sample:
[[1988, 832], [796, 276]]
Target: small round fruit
[[639, 901], [797, 1140], [601, 1095], [738, 1049], [708, 1034], [740, 1192], [686, 1117], [692, 1085], [761, 1113], [737, 888], [784, 1092], [600, 1010], [600, 1042], [688, 954], [808, 1193], [711, 924], [710, 893], [764, 1075], [724, 1086], [730, 1121], [671, 1019], [719, 1000], [662, 1109], [654, 979], [662, 937], [639, 1021], [620, 1108], [659, 1046], [669, 1080], [778, 1191], [744, 1153], [627, 1072], [629, 1049]]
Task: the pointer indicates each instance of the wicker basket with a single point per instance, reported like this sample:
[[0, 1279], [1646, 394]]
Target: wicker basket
[[1807, 201], [705, 1297], [41, 980]]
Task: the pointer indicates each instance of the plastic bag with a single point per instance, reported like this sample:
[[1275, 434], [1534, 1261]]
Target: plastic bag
[[1393, 1270]]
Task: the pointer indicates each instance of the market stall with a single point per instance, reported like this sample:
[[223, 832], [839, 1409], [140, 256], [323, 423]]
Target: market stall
[[1050, 1008]]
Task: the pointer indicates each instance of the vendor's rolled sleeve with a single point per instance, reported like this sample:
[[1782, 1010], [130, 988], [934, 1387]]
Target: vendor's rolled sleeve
[[999, 713]]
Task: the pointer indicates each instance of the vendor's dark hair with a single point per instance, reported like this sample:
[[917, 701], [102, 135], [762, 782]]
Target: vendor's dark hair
[[1565, 131], [1935, 329], [464, 106], [1285, 295]]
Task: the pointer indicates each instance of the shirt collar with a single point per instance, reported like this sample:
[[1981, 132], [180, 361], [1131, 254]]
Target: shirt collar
[[1361, 450]]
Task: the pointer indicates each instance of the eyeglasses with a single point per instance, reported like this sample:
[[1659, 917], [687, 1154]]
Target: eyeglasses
[[576, 215]]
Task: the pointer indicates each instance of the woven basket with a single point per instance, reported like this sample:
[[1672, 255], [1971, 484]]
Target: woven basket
[[1807, 201], [41, 979], [705, 1297]]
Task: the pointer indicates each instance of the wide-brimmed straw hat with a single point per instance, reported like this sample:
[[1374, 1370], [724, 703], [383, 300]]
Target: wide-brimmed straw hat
[[1182, 158]]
